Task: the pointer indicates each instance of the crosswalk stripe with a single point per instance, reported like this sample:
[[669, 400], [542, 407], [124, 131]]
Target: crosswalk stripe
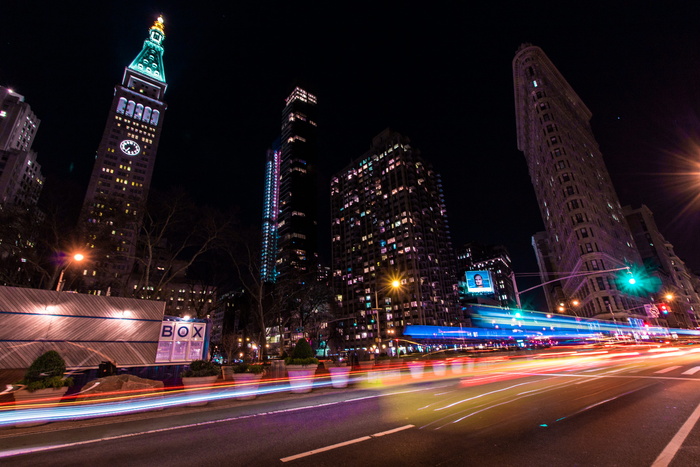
[[666, 370], [692, 371]]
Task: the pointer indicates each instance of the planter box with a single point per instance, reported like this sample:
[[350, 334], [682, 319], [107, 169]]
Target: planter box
[[43, 398], [367, 365], [247, 383], [340, 375], [301, 377], [416, 369], [439, 368], [201, 384], [227, 372]]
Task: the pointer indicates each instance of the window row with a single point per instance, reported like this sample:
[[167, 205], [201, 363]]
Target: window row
[[138, 111]]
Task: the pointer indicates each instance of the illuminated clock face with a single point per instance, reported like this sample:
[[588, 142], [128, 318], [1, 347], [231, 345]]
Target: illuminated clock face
[[130, 147]]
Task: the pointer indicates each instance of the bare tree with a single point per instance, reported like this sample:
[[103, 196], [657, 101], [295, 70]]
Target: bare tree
[[21, 264], [34, 246], [230, 345], [175, 234], [306, 303], [265, 304]]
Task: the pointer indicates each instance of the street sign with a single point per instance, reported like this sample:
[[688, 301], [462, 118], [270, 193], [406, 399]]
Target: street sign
[[651, 310]]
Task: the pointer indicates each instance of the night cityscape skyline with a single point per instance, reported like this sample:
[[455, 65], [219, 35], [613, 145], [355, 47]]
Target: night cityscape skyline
[[431, 84], [450, 234]]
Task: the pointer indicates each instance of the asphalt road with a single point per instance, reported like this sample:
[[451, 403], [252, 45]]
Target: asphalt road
[[610, 409]]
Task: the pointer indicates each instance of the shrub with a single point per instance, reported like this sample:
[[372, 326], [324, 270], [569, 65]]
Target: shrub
[[46, 372], [248, 368], [302, 354], [200, 368]]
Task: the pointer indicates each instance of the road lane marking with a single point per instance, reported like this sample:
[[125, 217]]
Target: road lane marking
[[324, 449], [672, 448], [53, 447], [345, 443], [389, 432], [483, 395], [666, 370], [692, 371]]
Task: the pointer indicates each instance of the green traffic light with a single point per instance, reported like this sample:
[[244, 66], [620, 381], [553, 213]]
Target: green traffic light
[[637, 281]]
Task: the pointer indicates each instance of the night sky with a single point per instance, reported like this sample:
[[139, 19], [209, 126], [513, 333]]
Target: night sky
[[439, 73]]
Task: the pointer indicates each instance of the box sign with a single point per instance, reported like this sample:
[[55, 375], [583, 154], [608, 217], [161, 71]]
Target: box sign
[[180, 341]]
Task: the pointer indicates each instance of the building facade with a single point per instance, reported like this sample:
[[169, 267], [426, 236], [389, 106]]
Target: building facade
[[297, 224], [392, 257], [475, 256], [679, 286], [21, 180], [118, 188], [21, 183], [587, 239]]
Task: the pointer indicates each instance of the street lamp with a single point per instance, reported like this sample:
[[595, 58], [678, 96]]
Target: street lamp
[[61, 282], [572, 305], [395, 285]]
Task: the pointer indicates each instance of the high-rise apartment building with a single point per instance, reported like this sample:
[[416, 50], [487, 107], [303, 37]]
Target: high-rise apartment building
[[679, 289], [587, 237], [115, 200], [297, 222], [389, 223], [21, 180]]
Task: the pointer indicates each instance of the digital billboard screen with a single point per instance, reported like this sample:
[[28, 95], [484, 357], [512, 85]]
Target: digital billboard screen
[[479, 282]]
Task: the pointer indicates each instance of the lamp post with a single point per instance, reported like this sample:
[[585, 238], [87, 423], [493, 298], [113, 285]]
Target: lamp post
[[61, 282], [578, 274], [395, 285], [631, 280]]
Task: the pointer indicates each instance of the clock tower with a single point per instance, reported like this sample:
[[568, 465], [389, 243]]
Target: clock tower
[[116, 196]]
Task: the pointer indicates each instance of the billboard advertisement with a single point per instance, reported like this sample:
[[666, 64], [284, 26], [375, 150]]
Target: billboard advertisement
[[479, 282]]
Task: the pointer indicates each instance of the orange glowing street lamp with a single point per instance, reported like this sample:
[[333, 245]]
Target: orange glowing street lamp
[[573, 304], [394, 283], [61, 282]]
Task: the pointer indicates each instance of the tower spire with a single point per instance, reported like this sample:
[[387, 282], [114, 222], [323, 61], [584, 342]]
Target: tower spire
[[149, 61]]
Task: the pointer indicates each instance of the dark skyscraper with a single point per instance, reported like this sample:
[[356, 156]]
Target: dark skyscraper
[[297, 221], [587, 236], [115, 200], [389, 223], [21, 180]]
